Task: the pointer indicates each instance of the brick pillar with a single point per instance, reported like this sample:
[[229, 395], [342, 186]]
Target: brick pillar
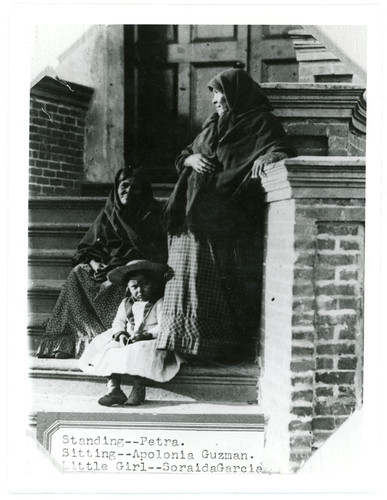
[[57, 134], [312, 336]]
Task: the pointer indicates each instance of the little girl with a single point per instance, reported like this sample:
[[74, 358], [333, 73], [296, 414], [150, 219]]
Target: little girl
[[129, 347]]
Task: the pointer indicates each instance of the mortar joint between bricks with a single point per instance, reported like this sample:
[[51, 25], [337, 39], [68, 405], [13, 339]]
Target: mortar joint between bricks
[[338, 251], [303, 329], [303, 419], [296, 388], [303, 343], [335, 340], [301, 403], [334, 313], [299, 450], [320, 385], [339, 281], [321, 283]]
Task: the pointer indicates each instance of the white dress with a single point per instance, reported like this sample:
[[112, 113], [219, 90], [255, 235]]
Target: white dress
[[104, 355]]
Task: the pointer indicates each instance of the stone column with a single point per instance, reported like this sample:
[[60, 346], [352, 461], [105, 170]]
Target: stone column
[[312, 320], [97, 60]]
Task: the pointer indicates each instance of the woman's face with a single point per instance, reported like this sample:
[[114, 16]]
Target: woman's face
[[219, 100], [127, 188]]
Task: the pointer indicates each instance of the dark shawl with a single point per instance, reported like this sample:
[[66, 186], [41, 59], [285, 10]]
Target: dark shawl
[[211, 202], [124, 233]]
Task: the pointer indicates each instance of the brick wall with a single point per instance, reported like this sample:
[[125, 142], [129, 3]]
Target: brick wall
[[312, 341], [318, 137], [57, 131], [327, 310], [338, 321]]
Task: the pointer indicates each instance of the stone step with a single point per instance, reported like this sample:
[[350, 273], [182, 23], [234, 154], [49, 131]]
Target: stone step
[[160, 190], [42, 294], [83, 209], [62, 209], [198, 382], [49, 263], [158, 402], [57, 235], [36, 325], [53, 238]]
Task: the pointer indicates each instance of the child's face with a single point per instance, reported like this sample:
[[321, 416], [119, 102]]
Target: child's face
[[141, 287]]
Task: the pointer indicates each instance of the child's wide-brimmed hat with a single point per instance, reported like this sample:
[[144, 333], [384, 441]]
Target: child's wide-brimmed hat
[[121, 275]]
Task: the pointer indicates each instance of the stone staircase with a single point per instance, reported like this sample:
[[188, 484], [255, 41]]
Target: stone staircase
[[56, 225]]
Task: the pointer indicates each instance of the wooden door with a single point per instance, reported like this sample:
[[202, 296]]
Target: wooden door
[[271, 53], [167, 99]]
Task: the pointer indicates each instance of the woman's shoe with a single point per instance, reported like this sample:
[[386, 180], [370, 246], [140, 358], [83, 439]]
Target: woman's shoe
[[137, 396], [116, 397]]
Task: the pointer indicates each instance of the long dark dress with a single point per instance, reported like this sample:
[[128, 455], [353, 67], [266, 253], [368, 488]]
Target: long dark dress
[[87, 306], [211, 305]]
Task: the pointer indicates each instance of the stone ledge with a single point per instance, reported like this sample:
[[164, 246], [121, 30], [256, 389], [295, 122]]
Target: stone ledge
[[154, 404], [315, 177], [62, 92], [89, 202], [61, 201], [211, 382], [70, 366], [45, 286], [59, 226], [50, 257], [324, 100]]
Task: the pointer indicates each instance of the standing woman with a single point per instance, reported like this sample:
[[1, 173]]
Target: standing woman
[[212, 225], [128, 228]]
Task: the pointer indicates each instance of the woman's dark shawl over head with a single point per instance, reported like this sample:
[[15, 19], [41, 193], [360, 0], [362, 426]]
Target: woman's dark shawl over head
[[247, 131], [124, 233]]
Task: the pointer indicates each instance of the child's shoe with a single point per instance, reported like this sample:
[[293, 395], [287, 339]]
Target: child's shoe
[[113, 398], [137, 396]]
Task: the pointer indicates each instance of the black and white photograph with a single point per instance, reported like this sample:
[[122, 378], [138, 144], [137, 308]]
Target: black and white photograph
[[196, 254]]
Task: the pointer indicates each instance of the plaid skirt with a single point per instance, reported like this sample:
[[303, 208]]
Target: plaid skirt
[[85, 308], [204, 302]]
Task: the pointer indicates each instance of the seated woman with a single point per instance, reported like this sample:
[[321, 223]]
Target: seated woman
[[128, 228], [211, 219]]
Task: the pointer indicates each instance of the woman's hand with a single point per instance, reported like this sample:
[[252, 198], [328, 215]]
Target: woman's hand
[[258, 170], [97, 266], [201, 163], [100, 269], [259, 165]]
